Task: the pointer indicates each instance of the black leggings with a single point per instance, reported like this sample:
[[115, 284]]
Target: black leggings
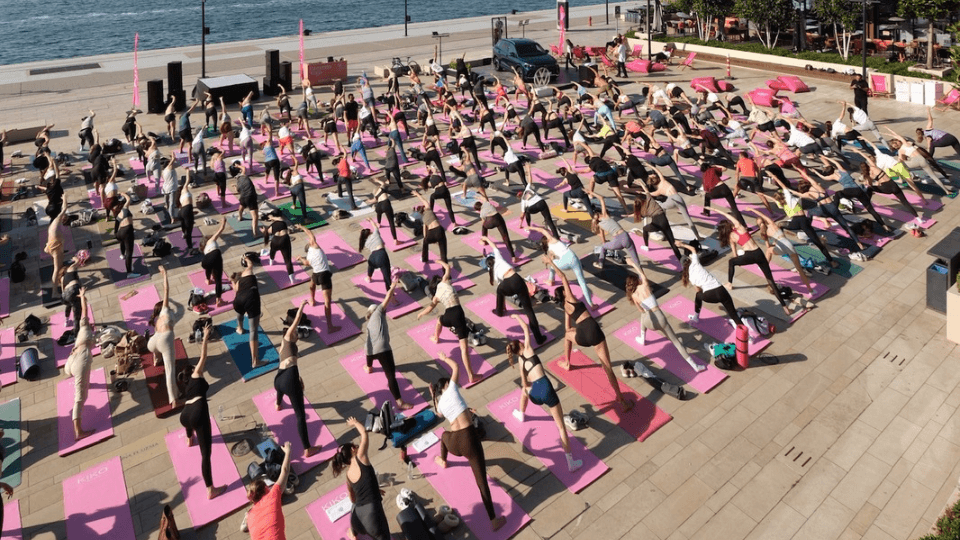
[[348, 181], [436, 235], [221, 180], [516, 286], [556, 123], [720, 296], [536, 135], [608, 142], [389, 369], [498, 142], [394, 173], [722, 191], [379, 259], [272, 166], [385, 207], [212, 265], [287, 382], [466, 443], [891, 188], [186, 224], [125, 235], [803, 223], [496, 222], [298, 194], [830, 209], [443, 192], [737, 101], [544, 210], [515, 167], [282, 244], [946, 140], [757, 257], [73, 306], [659, 223], [487, 118], [863, 197], [470, 145], [434, 157], [195, 418]]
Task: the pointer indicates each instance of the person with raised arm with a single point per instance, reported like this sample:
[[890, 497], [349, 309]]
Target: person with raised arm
[[509, 283], [492, 218], [453, 316], [367, 516], [433, 231], [162, 342], [777, 243], [320, 275], [195, 417], [265, 519], [377, 346], [288, 382], [247, 302], [212, 261], [78, 366]]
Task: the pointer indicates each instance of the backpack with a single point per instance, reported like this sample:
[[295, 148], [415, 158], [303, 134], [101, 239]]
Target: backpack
[[18, 272], [758, 325], [724, 355], [203, 201], [162, 248], [785, 292]]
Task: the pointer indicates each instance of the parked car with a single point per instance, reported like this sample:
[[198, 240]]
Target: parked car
[[527, 57]]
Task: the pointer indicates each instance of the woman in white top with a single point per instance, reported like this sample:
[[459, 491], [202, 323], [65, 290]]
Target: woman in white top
[[708, 288], [565, 259], [320, 274], [510, 283], [453, 316], [162, 342], [530, 203], [912, 156], [78, 366], [226, 128], [462, 438], [246, 144]]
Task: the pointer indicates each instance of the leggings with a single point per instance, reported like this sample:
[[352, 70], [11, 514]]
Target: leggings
[[436, 235], [556, 123], [498, 142], [757, 257], [186, 224], [829, 209], [803, 223], [655, 320], [569, 261], [442, 192], [389, 369], [659, 223], [282, 244], [247, 112], [394, 136], [195, 418], [470, 145], [580, 195], [722, 191], [608, 143], [917, 161], [385, 207], [346, 180], [863, 196], [516, 286], [737, 101], [272, 166], [212, 265], [210, 116], [665, 160], [946, 140], [676, 202], [624, 242], [287, 383], [124, 235], [379, 259], [487, 118], [370, 519], [536, 135], [162, 344], [891, 188], [221, 180], [466, 443], [496, 222], [544, 210], [434, 157], [394, 173], [198, 155], [717, 296], [515, 167]]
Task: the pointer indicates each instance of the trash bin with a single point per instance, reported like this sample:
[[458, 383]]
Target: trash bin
[[938, 279]]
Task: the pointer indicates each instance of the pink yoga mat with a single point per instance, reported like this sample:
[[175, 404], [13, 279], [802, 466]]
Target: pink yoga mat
[[65, 233], [283, 424], [348, 328], [57, 329], [483, 307], [11, 521], [473, 241], [179, 241], [137, 166], [404, 240], [902, 215], [95, 414], [374, 384], [339, 253], [458, 488], [785, 277], [375, 291], [186, 464], [138, 309], [602, 306], [589, 380], [153, 189], [336, 502], [430, 268], [659, 349], [231, 199], [199, 280], [277, 270], [548, 179], [661, 255], [267, 189], [96, 505], [710, 323], [8, 356], [538, 434], [449, 344]]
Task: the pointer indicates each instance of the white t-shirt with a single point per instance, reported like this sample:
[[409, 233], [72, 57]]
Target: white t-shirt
[[799, 138], [839, 128], [700, 277], [860, 116], [318, 260]]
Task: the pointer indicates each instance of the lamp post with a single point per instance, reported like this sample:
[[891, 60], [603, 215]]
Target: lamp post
[[607, 4], [863, 36], [203, 38], [649, 53], [406, 18], [439, 37]]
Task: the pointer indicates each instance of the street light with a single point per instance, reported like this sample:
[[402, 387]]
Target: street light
[[203, 38], [406, 18], [523, 24], [649, 52], [863, 36], [440, 37]]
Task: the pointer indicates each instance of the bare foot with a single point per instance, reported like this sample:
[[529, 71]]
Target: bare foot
[[313, 302], [333, 329], [82, 434], [213, 492], [473, 377], [564, 364], [210, 282], [368, 280], [729, 286], [403, 405], [189, 442], [440, 462], [279, 406], [435, 339], [498, 522], [368, 369], [220, 302], [351, 535], [309, 452]]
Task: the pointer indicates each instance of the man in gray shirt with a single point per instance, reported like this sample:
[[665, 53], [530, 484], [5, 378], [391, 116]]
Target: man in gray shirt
[[378, 344]]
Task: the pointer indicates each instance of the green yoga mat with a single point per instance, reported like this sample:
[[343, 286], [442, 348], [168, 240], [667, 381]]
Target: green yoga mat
[[12, 439], [929, 189], [845, 269], [311, 220]]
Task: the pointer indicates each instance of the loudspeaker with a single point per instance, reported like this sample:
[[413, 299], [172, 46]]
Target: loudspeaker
[[155, 96], [181, 99], [175, 77], [273, 65], [286, 75]]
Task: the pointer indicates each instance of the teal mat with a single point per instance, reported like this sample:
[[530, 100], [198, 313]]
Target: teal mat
[[239, 347], [312, 220], [929, 189], [845, 269], [12, 442], [242, 230]]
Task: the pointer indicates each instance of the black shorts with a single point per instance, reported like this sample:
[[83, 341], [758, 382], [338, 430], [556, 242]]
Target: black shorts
[[330, 127], [324, 280], [186, 134], [169, 118], [610, 178], [589, 333], [250, 203], [455, 319]]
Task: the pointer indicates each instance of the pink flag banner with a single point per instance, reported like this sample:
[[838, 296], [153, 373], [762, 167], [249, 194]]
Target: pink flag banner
[[563, 43], [303, 71], [136, 72]]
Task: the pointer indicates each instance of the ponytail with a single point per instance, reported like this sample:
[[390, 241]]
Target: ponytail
[[364, 234], [341, 459]]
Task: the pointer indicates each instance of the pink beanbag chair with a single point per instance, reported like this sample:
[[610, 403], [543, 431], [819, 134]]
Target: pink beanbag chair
[[793, 83], [775, 84], [645, 66], [707, 83], [764, 97]]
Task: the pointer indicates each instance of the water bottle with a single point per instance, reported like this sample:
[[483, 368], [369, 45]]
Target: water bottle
[[220, 413]]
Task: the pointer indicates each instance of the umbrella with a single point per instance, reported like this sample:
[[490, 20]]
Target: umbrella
[[896, 19], [682, 15]]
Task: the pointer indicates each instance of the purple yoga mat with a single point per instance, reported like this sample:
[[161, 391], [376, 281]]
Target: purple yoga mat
[[119, 267], [4, 297], [57, 329], [348, 328], [902, 215], [483, 307], [421, 335], [473, 241], [186, 464], [96, 505], [601, 305], [710, 323], [138, 309], [404, 240], [179, 242], [659, 350], [928, 203], [375, 291], [199, 280], [95, 414], [661, 255], [339, 253], [429, 269], [283, 424], [538, 434], [458, 488], [374, 384], [8, 356]]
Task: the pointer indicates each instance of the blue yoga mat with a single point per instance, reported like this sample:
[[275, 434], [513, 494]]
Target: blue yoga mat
[[239, 347], [12, 439]]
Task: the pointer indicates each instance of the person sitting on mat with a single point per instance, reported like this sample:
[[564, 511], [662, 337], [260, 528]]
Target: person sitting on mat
[[288, 382], [453, 316], [462, 438], [265, 519], [162, 342], [367, 516], [78, 366], [509, 284], [582, 329], [377, 345], [247, 302], [320, 274], [195, 417], [538, 388]]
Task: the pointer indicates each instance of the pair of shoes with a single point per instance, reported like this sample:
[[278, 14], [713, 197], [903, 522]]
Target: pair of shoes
[[626, 370], [858, 256]]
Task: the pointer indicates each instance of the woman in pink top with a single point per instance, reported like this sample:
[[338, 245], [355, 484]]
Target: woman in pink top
[[265, 519]]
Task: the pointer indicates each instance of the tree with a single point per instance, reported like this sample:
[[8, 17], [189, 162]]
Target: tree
[[843, 15], [769, 15], [931, 10], [704, 12]]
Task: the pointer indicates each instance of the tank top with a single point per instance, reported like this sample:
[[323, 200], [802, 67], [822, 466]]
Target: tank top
[[534, 361], [212, 245], [247, 283], [196, 388], [366, 490]]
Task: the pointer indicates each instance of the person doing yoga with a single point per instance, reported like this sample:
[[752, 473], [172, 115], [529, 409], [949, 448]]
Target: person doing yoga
[[377, 346], [277, 236], [247, 302], [162, 343], [265, 518], [78, 366], [509, 284], [612, 236], [453, 316], [124, 234], [212, 262], [371, 241], [195, 417], [708, 287], [433, 231], [288, 382], [321, 275], [367, 516]]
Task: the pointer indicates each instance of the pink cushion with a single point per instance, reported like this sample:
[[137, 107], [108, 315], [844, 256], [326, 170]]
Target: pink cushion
[[793, 83], [775, 84], [708, 83], [764, 97], [724, 86]]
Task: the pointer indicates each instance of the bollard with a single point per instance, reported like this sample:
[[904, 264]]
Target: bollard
[[590, 21], [728, 67]]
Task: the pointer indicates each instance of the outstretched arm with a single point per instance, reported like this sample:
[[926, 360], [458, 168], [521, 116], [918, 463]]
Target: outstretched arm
[[166, 287], [389, 295], [364, 445], [454, 369], [291, 334], [202, 363]]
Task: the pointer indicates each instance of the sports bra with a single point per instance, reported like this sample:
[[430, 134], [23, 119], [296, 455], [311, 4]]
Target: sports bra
[[649, 303], [212, 245], [186, 198], [196, 388], [742, 238], [534, 361], [578, 310]]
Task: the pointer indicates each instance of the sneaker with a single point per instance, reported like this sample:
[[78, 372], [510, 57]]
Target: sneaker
[[802, 236], [697, 367], [858, 256], [642, 338], [693, 317], [570, 423], [243, 524], [518, 415], [121, 257], [626, 369]]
